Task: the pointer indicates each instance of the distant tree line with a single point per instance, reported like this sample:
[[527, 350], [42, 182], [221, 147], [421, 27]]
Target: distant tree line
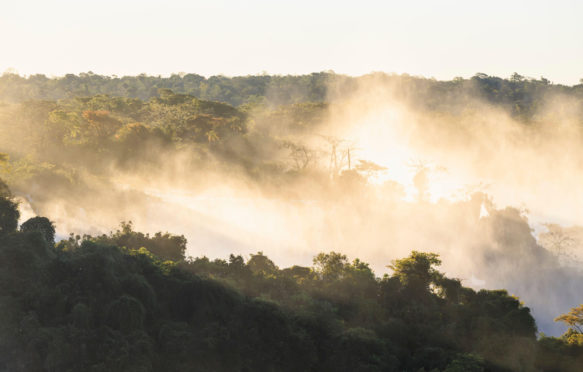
[[520, 95]]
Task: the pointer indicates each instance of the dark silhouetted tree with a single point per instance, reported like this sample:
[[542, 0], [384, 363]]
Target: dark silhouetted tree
[[42, 225], [9, 215]]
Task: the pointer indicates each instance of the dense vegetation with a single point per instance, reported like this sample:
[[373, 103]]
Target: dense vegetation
[[129, 301], [60, 127], [521, 95], [133, 301]]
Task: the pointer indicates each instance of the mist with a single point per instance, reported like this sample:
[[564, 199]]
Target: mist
[[376, 173]]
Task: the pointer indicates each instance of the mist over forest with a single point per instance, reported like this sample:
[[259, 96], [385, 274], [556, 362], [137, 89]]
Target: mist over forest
[[380, 222]]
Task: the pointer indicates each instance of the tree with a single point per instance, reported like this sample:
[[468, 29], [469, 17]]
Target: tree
[[330, 266], [516, 77], [466, 363], [574, 319], [339, 155], [42, 225], [9, 215], [416, 271], [301, 155], [561, 241], [4, 190], [369, 168], [163, 245], [101, 124], [259, 264]]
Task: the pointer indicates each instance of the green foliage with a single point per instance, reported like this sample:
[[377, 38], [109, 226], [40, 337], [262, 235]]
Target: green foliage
[[574, 319], [4, 190], [9, 215], [556, 354], [125, 314], [132, 301], [416, 272], [259, 264], [96, 306], [163, 245], [234, 91], [518, 95], [466, 363], [42, 225], [330, 266]]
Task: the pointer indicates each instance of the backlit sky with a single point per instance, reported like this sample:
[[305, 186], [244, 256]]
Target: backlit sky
[[440, 39]]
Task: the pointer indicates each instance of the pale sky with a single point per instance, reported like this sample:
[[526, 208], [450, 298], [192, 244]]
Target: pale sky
[[440, 39]]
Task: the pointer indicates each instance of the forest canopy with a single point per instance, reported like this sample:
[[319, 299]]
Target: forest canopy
[[130, 301], [109, 303], [268, 159]]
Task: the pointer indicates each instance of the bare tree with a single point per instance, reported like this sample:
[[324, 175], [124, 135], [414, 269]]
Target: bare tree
[[562, 242], [341, 151], [300, 154]]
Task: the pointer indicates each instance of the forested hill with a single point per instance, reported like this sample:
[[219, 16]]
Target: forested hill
[[521, 95], [89, 151], [132, 302]]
